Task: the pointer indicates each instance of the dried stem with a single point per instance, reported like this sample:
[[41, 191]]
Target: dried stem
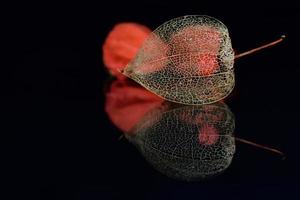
[[260, 48]]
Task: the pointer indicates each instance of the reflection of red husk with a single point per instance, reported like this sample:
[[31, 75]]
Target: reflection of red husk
[[208, 135], [121, 46], [204, 41], [126, 103]]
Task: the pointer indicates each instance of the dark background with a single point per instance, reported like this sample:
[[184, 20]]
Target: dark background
[[59, 143]]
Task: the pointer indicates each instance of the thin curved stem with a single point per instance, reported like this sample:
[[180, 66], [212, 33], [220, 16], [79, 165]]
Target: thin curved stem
[[260, 48]]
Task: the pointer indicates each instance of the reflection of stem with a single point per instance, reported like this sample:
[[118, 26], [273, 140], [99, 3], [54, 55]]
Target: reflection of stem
[[121, 137], [260, 146], [260, 48]]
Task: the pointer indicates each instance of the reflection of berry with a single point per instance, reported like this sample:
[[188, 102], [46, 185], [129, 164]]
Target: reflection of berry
[[210, 113], [122, 44], [194, 50], [208, 135]]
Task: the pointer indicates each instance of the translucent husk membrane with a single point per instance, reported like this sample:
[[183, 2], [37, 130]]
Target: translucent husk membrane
[[187, 142], [187, 60]]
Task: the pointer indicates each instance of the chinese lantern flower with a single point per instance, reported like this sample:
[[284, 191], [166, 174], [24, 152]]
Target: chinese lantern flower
[[121, 46]]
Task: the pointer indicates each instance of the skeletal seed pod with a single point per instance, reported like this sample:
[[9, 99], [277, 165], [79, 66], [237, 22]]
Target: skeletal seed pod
[[186, 142], [187, 60]]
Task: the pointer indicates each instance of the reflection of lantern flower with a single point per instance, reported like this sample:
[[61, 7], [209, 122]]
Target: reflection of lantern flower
[[122, 44], [185, 149], [184, 142], [208, 135], [126, 103]]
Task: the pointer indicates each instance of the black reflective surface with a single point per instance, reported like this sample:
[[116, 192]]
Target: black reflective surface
[[61, 141]]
